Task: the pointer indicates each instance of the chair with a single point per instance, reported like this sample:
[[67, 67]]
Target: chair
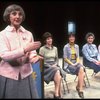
[[63, 79], [86, 78], [36, 74], [85, 74], [68, 72]]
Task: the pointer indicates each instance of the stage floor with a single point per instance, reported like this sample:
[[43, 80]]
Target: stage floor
[[89, 92]]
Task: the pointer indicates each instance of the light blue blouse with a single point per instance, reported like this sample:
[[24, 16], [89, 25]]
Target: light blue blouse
[[90, 52]]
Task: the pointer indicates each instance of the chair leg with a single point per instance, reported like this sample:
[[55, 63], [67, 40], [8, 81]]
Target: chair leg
[[66, 85], [75, 78], [63, 87], [93, 74], [87, 78], [84, 82]]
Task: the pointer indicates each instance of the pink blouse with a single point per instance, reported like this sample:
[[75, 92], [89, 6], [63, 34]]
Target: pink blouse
[[14, 61]]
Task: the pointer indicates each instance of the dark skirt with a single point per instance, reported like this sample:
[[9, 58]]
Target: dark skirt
[[74, 69], [18, 89], [91, 65], [49, 73]]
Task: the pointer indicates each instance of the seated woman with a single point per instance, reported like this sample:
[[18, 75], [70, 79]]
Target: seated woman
[[99, 49], [51, 69], [91, 54], [72, 64]]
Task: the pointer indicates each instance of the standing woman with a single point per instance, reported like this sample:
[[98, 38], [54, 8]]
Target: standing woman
[[17, 50], [51, 69], [72, 64], [91, 54]]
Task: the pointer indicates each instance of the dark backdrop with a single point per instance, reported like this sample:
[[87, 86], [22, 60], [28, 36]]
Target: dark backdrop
[[52, 16]]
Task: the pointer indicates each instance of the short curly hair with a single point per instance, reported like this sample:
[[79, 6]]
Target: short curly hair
[[46, 35], [11, 8], [89, 34]]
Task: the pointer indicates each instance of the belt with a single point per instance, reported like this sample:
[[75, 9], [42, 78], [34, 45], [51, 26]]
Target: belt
[[73, 59]]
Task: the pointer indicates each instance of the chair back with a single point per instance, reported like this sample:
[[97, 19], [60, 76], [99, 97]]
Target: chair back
[[37, 77]]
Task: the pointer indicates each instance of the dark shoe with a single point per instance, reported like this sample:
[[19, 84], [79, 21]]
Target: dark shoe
[[80, 93], [60, 98], [57, 97]]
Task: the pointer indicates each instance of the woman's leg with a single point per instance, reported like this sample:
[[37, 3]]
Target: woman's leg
[[81, 78], [57, 81], [92, 65]]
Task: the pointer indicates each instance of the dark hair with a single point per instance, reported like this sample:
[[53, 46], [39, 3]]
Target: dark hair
[[71, 34], [89, 34], [11, 8], [45, 36]]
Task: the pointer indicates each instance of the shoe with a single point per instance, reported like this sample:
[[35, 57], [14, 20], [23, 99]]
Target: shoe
[[80, 93], [57, 97]]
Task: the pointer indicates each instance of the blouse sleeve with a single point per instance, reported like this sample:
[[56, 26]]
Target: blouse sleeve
[[78, 57], [32, 53], [86, 54], [6, 54], [65, 56], [41, 51], [99, 48], [98, 53], [56, 56]]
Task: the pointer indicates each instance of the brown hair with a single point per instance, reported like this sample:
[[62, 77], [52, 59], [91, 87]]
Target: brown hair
[[45, 36], [71, 34]]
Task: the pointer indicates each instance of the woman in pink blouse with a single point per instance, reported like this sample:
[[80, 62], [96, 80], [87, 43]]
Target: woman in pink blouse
[[17, 51]]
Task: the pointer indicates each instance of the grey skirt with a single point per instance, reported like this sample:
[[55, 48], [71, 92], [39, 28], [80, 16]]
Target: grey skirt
[[74, 69], [18, 89], [49, 72]]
